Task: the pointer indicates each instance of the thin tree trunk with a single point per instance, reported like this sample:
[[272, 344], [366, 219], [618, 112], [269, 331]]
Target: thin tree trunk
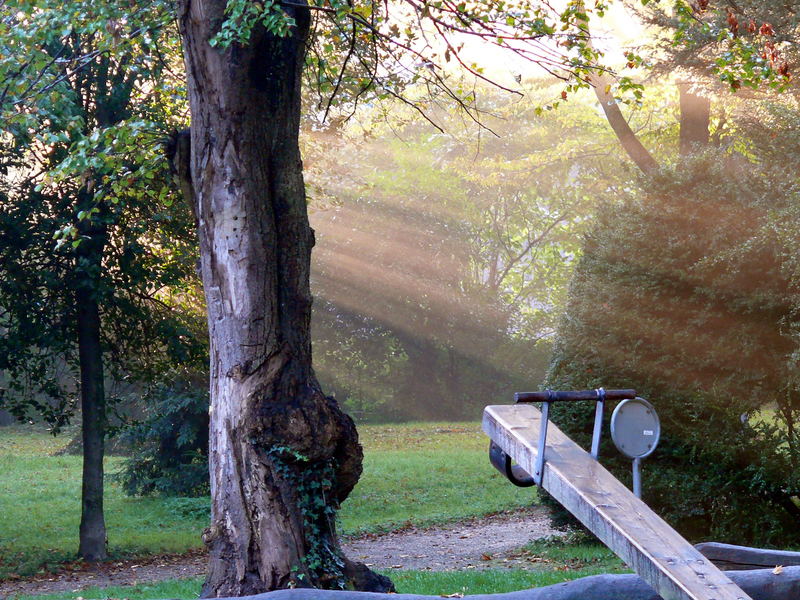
[[695, 120], [111, 101], [93, 409], [281, 454], [602, 85]]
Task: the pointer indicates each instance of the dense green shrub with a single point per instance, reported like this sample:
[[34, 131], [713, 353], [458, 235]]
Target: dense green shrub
[[682, 296], [169, 449]]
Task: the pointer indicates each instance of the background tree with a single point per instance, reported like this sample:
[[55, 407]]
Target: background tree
[[746, 45], [684, 293], [91, 250], [442, 266]]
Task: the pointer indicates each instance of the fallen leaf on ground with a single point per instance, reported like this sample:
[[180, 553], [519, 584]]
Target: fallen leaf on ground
[[454, 595], [486, 557], [777, 570]]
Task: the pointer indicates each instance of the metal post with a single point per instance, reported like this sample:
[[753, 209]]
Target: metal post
[[637, 477], [598, 422], [538, 471]]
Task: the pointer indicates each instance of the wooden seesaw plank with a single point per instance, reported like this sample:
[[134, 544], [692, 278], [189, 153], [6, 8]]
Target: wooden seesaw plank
[[647, 544]]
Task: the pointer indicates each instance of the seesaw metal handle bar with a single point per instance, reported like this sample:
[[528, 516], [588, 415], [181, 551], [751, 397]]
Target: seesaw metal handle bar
[[514, 473], [573, 396]]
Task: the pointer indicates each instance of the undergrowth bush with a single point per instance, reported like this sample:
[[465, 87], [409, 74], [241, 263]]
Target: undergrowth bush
[[169, 449], [682, 296], [196, 508]]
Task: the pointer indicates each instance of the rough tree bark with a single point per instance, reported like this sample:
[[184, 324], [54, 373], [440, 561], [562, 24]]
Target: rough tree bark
[[281, 453]]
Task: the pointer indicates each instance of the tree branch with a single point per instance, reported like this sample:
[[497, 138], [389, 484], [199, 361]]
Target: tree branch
[[602, 83]]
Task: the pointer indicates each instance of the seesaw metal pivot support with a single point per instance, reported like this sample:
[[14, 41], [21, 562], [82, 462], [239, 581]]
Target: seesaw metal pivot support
[[538, 471], [598, 422]]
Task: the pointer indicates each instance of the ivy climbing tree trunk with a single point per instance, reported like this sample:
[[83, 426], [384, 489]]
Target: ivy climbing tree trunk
[[282, 455]]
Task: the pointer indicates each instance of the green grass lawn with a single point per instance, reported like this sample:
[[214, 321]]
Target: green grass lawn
[[417, 473], [40, 508], [426, 473], [495, 581]]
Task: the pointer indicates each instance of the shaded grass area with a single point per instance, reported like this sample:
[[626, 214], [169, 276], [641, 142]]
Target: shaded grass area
[[495, 581], [573, 552], [40, 509], [424, 474], [418, 474]]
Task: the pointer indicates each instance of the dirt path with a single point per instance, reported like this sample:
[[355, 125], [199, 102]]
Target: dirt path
[[489, 542], [480, 543]]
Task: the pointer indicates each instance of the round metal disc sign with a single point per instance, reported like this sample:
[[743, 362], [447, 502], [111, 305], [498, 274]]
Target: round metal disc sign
[[635, 428]]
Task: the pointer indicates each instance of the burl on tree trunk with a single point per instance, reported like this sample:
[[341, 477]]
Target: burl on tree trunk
[[282, 455]]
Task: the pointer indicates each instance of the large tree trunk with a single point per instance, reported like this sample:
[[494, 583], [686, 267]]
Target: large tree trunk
[[93, 409], [695, 120], [282, 455]]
